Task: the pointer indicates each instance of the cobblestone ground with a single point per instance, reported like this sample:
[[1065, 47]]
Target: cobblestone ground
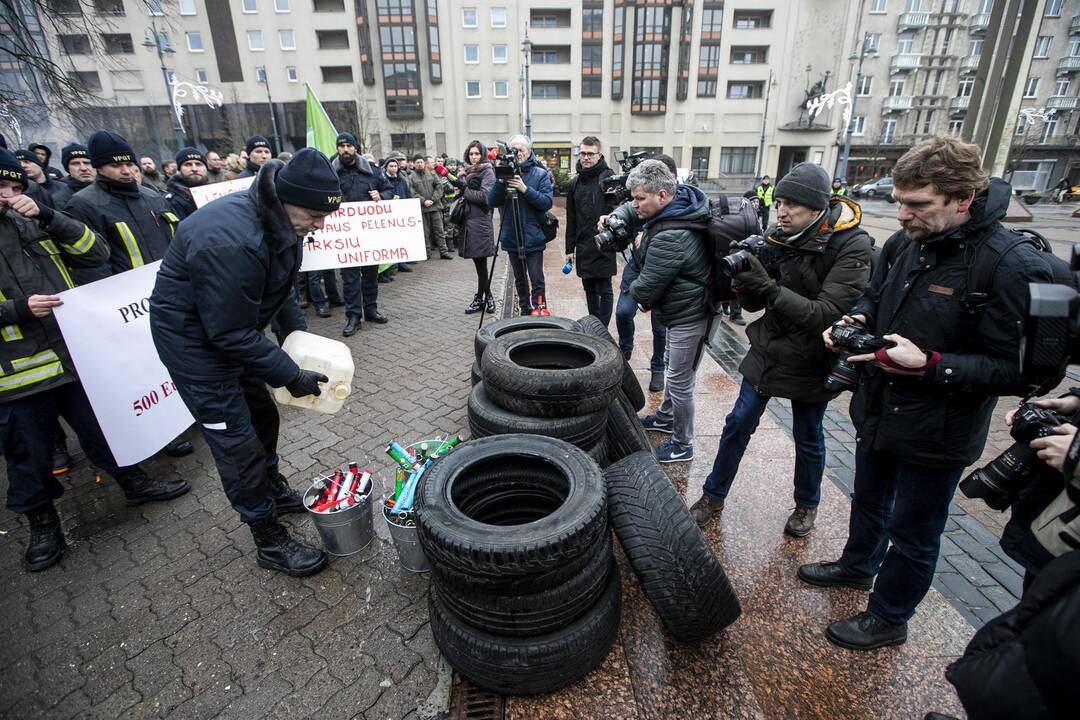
[[161, 610]]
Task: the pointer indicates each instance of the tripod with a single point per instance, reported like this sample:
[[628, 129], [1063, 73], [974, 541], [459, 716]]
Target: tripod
[[519, 238]]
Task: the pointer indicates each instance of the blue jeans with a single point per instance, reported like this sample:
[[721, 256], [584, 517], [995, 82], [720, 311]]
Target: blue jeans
[[318, 295], [625, 310], [905, 505], [685, 343], [740, 425]]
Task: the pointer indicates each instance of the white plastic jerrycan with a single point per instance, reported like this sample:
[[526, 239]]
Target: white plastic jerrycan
[[330, 357]]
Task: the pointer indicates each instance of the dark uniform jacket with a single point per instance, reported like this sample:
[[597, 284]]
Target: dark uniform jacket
[[397, 187], [38, 194], [533, 204], [65, 189], [34, 259], [787, 356], [942, 419], [250, 170], [427, 186], [358, 179], [584, 205], [227, 273], [135, 221], [179, 197]]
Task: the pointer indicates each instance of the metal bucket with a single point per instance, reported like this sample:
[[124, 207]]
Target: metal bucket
[[409, 551], [345, 532]]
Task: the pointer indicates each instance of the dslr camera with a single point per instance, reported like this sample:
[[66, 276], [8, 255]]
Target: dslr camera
[[616, 236], [756, 246], [853, 339], [504, 160], [999, 481], [614, 187]]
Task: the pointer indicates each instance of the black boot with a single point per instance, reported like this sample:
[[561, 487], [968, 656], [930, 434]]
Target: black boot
[[277, 550], [352, 326], [178, 448], [286, 500], [61, 459], [476, 305], [489, 307], [322, 310], [46, 543], [140, 488]]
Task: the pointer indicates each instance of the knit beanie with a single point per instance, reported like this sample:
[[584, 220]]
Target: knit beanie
[[189, 153], [806, 184], [71, 152], [256, 141], [309, 181], [107, 147], [10, 169], [346, 137], [21, 154]]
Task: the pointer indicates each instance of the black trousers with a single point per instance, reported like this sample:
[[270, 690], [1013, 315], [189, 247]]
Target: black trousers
[[360, 285], [27, 431], [529, 268], [599, 297], [240, 421]]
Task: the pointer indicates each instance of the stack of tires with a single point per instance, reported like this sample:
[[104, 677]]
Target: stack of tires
[[559, 378], [525, 594]]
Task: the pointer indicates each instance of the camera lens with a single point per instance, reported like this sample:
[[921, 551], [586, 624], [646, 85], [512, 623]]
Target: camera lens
[[999, 481], [843, 376], [736, 262]]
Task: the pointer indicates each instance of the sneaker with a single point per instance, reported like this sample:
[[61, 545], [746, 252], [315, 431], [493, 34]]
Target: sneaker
[[650, 422], [738, 320], [801, 522], [703, 510], [670, 451]]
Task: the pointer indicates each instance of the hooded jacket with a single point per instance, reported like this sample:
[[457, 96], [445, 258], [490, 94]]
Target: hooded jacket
[[134, 220], [585, 204], [532, 204], [675, 266], [34, 259], [48, 169], [475, 183], [358, 179], [227, 273], [178, 196], [941, 419], [787, 357]]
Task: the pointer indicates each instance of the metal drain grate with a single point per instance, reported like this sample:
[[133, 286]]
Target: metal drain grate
[[476, 704]]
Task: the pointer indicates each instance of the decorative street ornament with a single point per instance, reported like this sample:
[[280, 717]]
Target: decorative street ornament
[[8, 119], [1041, 113], [841, 95], [199, 93]]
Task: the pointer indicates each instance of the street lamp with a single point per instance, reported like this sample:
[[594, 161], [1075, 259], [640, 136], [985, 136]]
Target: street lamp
[[864, 50], [764, 119], [526, 47], [157, 41], [261, 76]]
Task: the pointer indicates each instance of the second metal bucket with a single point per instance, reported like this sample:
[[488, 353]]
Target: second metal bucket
[[409, 551], [347, 531]]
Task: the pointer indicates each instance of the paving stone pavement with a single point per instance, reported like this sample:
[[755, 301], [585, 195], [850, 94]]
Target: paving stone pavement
[[161, 610]]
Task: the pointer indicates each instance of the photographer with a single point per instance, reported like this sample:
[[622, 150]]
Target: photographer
[[526, 254], [819, 260], [584, 205], [924, 403]]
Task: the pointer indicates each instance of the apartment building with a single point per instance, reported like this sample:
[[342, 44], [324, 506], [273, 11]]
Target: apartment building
[[720, 86]]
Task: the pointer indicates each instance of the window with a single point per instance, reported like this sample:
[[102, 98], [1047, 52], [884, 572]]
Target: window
[[281, 6], [249, 6], [712, 22], [332, 39], [1042, 46], [873, 42], [956, 127], [896, 88], [187, 7], [592, 22], [500, 89], [88, 80], [163, 39], [498, 17], [154, 9], [329, 6], [1032, 88], [752, 19], [858, 125], [1074, 48], [545, 21], [974, 48], [708, 67], [913, 6], [1049, 130], [749, 55], [927, 123], [337, 73], [888, 131], [652, 37], [468, 17], [741, 90], [706, 86], [117, 44], [1062, 87], [551, 89], [434, 46], [290, 73], [965, 87], [75, 44], [545, 57], [905, 43], [866, 82], [699, 162], [1053, 8], [591, 87], [592, 60], [260, 74], [877, 6], [472, 88], [255, 40], [200, 76], [472, 54], [194, 41], [1021, 125], [498, 54], [103, 7], [286, 39], [737, 160], [985, 6]]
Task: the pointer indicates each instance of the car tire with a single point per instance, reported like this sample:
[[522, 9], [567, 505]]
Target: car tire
[[495, 330], [591, 325], [487, 418], [625, 433]]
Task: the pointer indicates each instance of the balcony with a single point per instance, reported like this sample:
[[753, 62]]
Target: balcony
[[1074, 26], [906, 61], [1062, 102], [979, 22], [896, 103], [913, 20], [959, 105], [969, 63], [1068, 65]]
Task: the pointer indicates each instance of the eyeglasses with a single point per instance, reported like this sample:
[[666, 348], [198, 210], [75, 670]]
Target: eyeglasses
[[587, 154]]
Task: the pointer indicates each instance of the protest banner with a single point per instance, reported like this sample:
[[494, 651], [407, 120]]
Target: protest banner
[[367, 233], [106, 326], [205, 193]]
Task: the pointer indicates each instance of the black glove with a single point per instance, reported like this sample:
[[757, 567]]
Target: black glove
[[756, 280], [306, 383], [475, 183]]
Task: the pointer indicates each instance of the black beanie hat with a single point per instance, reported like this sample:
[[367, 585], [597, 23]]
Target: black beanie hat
[[71, 152], [416, 157], [10, 169], [189, 153], [807, 184], [256, 141], [107, 147], [346, 137], [21, 154], [309, 181]]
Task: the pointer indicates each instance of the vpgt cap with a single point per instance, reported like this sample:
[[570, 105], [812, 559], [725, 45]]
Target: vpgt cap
[[257, 141], [27, 155], [309, 181], [107, 147], [189, 153], [10, 169], [74, 151]]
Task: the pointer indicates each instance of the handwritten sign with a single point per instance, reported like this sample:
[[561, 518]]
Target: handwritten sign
[[367, 233]]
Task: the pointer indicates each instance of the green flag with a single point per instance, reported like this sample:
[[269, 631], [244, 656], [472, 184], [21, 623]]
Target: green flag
[[321, 133]]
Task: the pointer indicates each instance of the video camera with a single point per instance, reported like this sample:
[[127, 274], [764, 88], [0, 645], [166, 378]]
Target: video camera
[[614, 187], [504, 159], [851, 339]]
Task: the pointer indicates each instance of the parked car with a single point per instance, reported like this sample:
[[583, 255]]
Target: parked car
[[882, 187]]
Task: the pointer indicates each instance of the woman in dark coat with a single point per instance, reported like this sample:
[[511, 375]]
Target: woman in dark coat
[[478, 234]]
